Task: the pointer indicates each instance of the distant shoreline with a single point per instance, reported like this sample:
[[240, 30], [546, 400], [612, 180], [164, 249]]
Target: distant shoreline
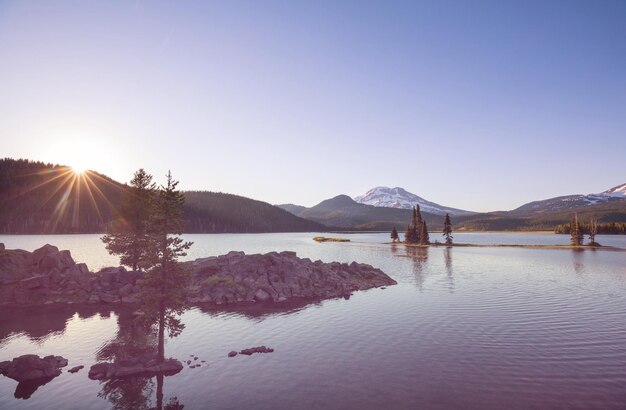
[[470, 245]]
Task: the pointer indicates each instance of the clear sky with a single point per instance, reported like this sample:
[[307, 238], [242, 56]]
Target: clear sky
[[481, 105]]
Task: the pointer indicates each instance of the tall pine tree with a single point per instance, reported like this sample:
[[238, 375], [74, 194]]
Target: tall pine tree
[[447, 230], [576, 233], [162, 288], [593, 231], [394, 234], [128, 235], [409, 234], [424, 238]]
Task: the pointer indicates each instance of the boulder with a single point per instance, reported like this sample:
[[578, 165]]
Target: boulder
[[134, 367], [259, 349], [32, 367]]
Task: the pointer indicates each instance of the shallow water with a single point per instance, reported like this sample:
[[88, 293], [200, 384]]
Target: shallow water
[[464, 328]]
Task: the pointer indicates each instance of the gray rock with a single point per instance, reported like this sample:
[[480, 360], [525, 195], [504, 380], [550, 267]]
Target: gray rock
[[134, 367], [126, 290], [259, 349], [261, 295], [32, 367]]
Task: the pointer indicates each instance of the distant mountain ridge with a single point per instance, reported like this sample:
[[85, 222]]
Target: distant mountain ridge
[[397, 197], [345, 213], [342, 212], [561, 203]]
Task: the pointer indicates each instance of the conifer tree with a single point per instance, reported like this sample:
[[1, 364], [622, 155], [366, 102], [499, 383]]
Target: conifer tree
[[447, 230], [593, 230], [424, 237], [409, 235], [394, 234], [128, 236], [576, 234], [162, 298]]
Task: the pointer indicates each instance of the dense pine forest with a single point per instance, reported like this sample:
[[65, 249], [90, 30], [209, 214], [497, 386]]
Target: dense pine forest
[[44, 198], [610, 228], [36, 197]]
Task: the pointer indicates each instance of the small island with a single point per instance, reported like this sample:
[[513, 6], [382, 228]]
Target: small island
[[325, 239], [48, 275]]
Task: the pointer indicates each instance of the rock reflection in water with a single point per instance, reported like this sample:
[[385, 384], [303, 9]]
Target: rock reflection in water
[[26, 389]]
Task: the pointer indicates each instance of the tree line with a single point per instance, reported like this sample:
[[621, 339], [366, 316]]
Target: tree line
[[603, 228]]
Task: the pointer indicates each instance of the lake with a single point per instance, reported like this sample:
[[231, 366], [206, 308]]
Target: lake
[[473, 328]]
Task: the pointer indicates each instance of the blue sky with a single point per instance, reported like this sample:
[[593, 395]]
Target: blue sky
[[476, 105]]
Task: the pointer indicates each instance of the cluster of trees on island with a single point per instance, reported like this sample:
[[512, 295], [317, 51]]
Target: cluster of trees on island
[[417, 231], [577, 231]]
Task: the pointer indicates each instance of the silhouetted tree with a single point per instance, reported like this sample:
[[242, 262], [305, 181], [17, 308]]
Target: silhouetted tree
[[394, 235], [162, 300], [409, 234], [447, 230], [576, 233], [424, 238], [128, 236], [593, 230]]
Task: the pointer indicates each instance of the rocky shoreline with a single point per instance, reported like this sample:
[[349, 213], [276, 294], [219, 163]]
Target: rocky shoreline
[[50, 276]]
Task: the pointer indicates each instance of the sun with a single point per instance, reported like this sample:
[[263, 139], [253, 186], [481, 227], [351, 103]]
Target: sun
[[79, 168]]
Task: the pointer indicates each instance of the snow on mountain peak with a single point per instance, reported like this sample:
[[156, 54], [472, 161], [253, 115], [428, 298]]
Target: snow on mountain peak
[[382, 196], [618, 191]]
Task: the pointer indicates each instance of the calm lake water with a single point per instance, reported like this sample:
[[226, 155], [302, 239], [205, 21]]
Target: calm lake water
[[476, 328]]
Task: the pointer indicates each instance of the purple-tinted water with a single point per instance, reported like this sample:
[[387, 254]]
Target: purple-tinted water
[[464, 328]]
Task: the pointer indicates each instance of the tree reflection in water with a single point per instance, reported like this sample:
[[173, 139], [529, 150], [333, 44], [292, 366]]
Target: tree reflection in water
[[447, 257], [132, 340], [420, 259]]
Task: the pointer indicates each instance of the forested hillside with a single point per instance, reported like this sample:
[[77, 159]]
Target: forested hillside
[[36, 197], [43, 198], [218, 212]]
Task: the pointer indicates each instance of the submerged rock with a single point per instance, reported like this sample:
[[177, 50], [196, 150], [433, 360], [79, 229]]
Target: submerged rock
[[76, 368], [133, 368], [260, 349], [32, 367]]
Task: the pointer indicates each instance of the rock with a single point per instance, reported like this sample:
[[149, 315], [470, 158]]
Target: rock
[[48, 275], [259, 349], [39, 254], [232, 354], [126, 290], [32, 367], [32, 282], [132, 368], [261, 295], [107, 297], [76, 369]]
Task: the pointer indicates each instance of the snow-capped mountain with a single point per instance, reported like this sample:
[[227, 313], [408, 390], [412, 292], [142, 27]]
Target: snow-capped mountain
[[618, 191], [613, 195], [397, 197]]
